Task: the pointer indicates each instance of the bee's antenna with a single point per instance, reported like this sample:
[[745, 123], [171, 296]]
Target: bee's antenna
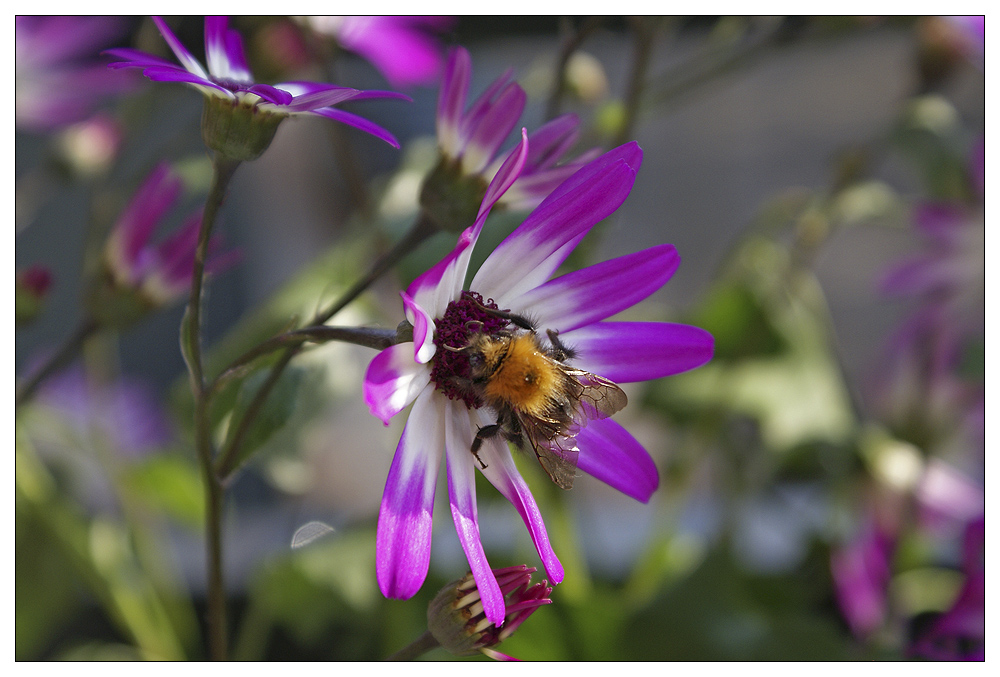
[[474, 325], [455, 350]]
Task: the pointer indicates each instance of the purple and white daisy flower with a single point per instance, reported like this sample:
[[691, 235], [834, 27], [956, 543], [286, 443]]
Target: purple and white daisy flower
[[58, 79], [405, 49], [472, 137], [145, 274], [516, 277], [228, 78], [468, 141]]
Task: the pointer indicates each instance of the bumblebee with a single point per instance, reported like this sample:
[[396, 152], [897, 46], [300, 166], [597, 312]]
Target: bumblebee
[[535, 394]]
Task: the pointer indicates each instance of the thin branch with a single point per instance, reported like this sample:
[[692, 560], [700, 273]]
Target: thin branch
[[59, 359], [570, 44]]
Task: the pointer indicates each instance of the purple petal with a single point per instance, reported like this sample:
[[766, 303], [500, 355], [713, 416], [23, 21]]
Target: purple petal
[[144, 211], [442, 284], [451, 100], [359, 122], [399, 47], [224, 51], [481, 106], [175, 74], [861, 574], [271, 94], [484, 139], [595, 293], [405, 520], [552, 140], [135, 59], [423, 330], [506, 176], [609, 453], [462, 494], [366, 94], [530, 254], [393, 380], [625, 352], [187, 60], [46, 41], [311, 98], [501, 471], [176, 254]]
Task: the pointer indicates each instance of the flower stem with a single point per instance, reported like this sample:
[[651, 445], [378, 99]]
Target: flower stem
[[420, 231], [60, 359], [191, 346], [418, 648]]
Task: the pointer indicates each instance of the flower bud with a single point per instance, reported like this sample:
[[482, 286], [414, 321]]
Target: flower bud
[[456, 620], [236, 128], [450, 198], [31, 287]]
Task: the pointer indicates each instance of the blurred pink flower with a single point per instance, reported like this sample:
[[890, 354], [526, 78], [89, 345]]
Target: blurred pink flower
[[405, 49], [59, 76]]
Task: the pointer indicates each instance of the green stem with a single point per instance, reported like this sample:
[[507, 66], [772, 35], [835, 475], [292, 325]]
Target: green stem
[[420, 231], [378, 339], [224, 170], [418, 648], [191, 339], [60, 359]]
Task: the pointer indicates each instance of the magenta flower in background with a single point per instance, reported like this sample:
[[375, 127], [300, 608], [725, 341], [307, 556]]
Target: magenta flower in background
[[960, 632], [405, 49], [516, 277], [922, 385], [59, 77], [861, 572], [471, 138], [229, 78], [124, 412], [160, 273]]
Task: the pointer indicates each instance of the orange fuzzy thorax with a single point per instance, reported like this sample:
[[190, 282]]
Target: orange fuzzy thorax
[[525, 378]]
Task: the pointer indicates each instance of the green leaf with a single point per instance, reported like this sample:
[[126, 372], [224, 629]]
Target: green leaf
[[171, 484], [272, 416], [188, 338]]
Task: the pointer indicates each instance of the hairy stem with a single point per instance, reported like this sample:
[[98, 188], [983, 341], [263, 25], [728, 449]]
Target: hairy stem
[[417, 648], [191, 343]]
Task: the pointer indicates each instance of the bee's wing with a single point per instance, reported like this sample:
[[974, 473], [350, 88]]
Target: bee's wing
[[557, 455], [599, 398]]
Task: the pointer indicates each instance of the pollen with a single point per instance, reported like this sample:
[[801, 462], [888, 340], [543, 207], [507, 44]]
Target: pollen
[[462, 319]]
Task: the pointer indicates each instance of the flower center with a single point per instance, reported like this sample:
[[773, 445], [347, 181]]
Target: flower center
[[462, 319]]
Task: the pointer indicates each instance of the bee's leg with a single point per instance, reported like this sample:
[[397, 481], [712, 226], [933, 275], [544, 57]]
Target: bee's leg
[[485, 433], [519, 320], [562, 351]]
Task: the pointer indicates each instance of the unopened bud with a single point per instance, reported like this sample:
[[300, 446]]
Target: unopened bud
[[456, 619]]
